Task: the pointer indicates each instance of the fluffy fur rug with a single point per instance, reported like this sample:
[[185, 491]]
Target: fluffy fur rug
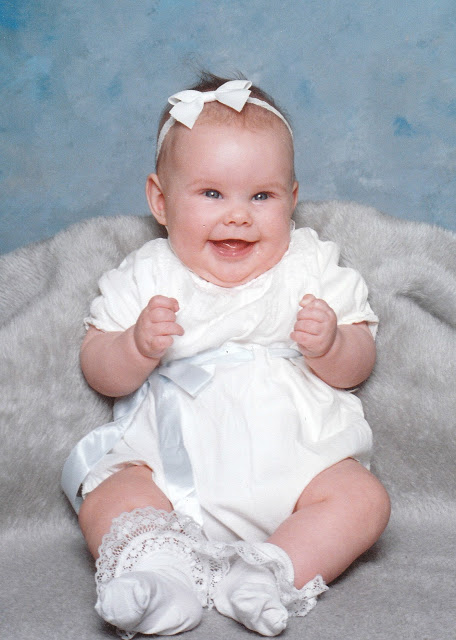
[[403, 588]]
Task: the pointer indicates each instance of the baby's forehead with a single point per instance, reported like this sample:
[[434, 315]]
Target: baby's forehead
[[221, 118]]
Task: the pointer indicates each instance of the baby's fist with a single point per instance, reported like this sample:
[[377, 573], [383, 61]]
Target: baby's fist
[[315, 329], [155, 327]]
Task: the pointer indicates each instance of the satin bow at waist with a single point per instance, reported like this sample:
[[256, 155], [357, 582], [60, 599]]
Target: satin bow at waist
[[192, 375]]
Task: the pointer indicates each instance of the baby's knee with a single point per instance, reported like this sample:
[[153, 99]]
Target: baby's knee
[[126, 489], [354, 492], [373, 503]]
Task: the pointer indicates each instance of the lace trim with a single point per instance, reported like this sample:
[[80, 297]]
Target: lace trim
[[298, 602], [145, 531]]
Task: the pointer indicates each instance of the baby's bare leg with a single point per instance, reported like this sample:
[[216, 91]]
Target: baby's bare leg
[[338, 516], [128, 489]]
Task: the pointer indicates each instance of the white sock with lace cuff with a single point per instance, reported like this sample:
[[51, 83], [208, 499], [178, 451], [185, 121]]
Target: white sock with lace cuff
[[157, 597], [259, 592], [155, 572]]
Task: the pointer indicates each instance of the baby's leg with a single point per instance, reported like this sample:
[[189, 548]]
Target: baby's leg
[[338, 516], [144, 567], [128, 489]]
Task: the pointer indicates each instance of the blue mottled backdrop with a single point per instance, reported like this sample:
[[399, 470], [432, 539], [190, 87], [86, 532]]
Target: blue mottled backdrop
[[370, 87]]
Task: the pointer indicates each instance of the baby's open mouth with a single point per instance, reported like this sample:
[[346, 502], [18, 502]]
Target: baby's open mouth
[[232, 247], [232, 243]]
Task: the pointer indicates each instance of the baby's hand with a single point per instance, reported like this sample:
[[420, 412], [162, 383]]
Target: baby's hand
[[156, 325], [316, 327]]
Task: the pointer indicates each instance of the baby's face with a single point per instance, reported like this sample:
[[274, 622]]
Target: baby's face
[[226, 194]]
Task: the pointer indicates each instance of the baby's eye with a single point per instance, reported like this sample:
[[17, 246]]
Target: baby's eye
[[261, 196], [212, 193]]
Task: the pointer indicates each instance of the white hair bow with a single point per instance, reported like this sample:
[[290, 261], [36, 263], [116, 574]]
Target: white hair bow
[[189, 104]]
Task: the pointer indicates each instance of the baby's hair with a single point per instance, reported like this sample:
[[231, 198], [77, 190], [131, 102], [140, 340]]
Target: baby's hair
[[216, 112]]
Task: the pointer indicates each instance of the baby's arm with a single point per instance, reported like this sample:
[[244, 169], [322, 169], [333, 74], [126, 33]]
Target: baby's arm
[[116, 363], [343, 356]]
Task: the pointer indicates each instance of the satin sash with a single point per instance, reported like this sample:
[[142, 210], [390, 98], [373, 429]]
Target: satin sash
[[192, 375]]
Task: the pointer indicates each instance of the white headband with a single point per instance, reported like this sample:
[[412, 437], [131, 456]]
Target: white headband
[[189, 104]]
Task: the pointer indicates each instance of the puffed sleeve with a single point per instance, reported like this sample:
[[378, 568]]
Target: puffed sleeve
[[343, 288], [119, 303]]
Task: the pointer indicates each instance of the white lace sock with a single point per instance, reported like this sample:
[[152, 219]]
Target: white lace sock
[[157, 597], [259, 593], [250, 596], [155, 573]]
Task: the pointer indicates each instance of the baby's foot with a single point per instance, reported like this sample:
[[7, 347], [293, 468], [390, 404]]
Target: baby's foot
[[150, 602], [249, 595]]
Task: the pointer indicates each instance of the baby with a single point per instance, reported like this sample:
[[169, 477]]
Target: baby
[[235, 472]]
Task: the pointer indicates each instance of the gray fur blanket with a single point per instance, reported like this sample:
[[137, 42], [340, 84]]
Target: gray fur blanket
[[403, 588]]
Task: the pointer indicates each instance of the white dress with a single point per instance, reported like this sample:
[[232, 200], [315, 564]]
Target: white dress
[[262, 428]]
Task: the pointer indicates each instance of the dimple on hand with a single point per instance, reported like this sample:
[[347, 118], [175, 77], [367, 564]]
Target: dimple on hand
[[156, 326], [315, 329]]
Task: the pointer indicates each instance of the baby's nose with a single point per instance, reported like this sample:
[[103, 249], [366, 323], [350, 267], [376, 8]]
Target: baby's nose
[[238, 215]]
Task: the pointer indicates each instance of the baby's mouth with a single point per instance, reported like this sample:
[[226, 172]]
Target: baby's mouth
[[232, 246]]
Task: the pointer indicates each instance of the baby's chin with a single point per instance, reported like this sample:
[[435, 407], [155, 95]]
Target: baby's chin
[[226, 281], [226, 278], [233, 275]]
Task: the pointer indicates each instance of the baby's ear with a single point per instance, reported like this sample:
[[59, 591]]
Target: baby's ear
[[295, 192], [156, 198]]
